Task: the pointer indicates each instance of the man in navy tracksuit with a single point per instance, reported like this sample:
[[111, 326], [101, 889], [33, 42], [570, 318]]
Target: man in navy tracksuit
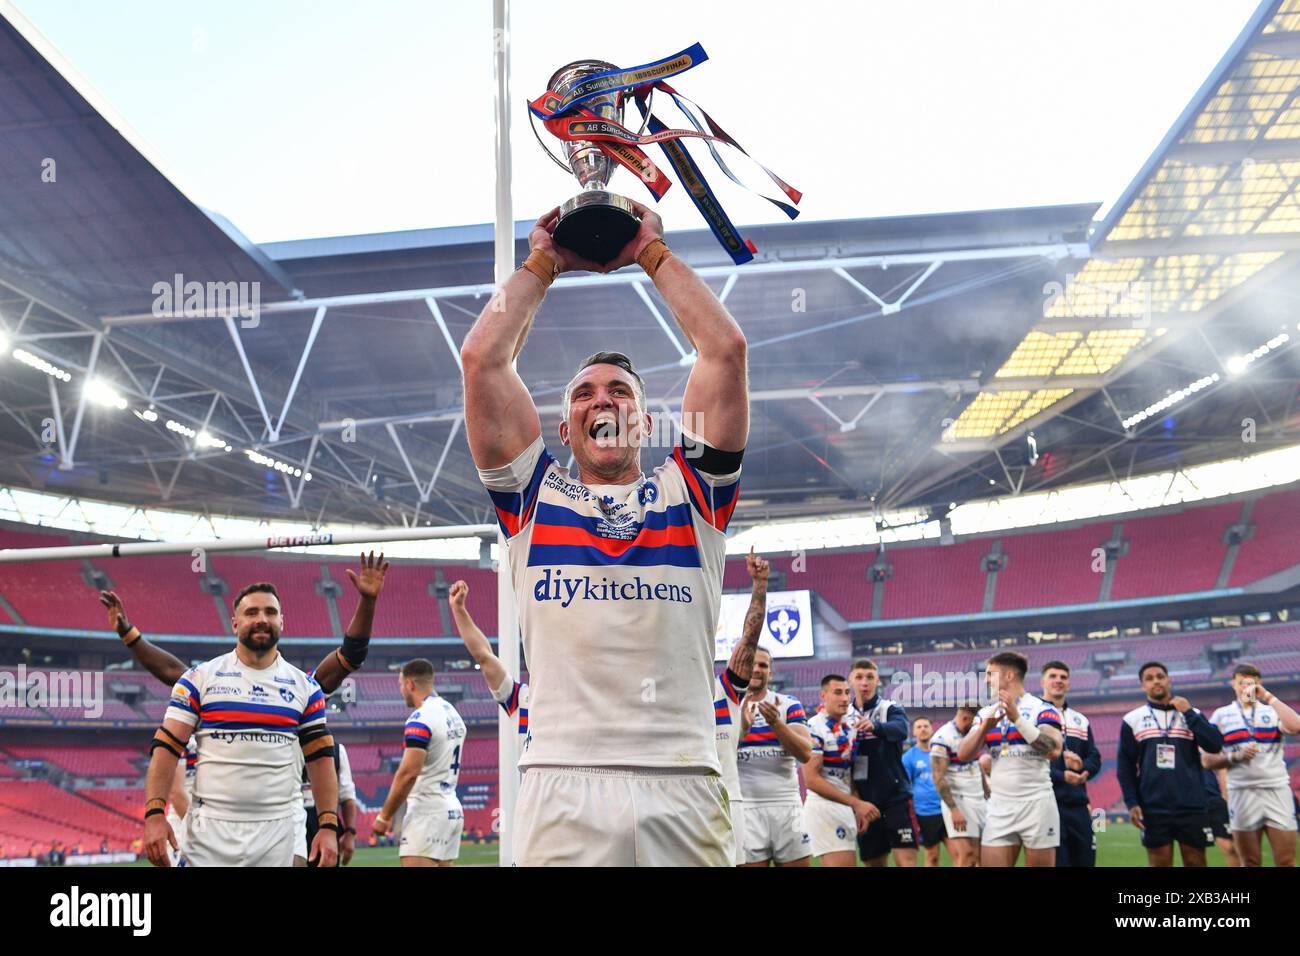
[[1159, 771], [878, 774], [1080, 761]]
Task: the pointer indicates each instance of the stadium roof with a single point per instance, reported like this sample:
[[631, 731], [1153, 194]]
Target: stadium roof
[[894, 362]]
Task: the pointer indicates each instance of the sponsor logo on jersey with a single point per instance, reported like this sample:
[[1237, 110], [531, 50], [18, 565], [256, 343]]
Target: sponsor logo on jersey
[[229, 674], [225, 689], [647, 493], [567, 589], [283, 680], [259, 691]]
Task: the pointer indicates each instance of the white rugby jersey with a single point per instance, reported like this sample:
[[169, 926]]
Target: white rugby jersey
[[836, 742], [618, 589], [246, 724], [191, 765], [347, 788], [964, 778], [436, 728], [1240, 727], [726, 719], [1022, 771], [513, 698], [767, 773]]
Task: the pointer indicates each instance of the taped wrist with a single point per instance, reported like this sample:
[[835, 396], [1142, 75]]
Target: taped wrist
[[1027, 729], [354, 651], [168, 741], [129, 633], [316, 744]]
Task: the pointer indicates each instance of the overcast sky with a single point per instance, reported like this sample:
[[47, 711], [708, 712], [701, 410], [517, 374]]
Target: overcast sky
[[302, 118]]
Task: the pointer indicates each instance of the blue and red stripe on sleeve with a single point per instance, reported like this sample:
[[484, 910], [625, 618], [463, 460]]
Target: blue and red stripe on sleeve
[[515, 508]]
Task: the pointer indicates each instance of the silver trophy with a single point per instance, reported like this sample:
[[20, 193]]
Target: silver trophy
[[596, 224]]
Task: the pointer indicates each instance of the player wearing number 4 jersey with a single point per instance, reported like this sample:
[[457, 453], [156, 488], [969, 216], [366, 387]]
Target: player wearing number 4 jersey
[[426, 778], [617, 575], [1259, 791], [1023, 733]]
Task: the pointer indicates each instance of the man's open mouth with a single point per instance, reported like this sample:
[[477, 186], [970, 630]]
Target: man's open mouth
[[605, 430]]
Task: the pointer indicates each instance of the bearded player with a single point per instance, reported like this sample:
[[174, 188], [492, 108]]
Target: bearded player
[[368, 580], [617, 575]]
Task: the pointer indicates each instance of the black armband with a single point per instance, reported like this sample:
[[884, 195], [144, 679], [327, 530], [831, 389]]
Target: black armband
[[153, 812], [316, 744], [354, 651], [710, 460], [168, 741]]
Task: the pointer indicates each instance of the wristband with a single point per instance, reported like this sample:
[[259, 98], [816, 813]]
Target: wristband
[[541, 264], [654, 255], [130, 635], [331, 826], [351, 830], [153, 812]]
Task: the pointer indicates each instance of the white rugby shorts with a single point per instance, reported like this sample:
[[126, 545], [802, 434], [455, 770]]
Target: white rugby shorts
[[211, 842], [831, 826], [974, 809], [1253, 808], [776, 831], [433, 832], [1033, 822], [598, 816]]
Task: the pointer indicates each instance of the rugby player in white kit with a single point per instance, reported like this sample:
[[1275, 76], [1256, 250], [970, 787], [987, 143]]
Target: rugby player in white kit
[[962, 788], [1024, 734], [617, 575], [833, 814], [774, 741], [251, 712], [1260, 801], [426, 778]]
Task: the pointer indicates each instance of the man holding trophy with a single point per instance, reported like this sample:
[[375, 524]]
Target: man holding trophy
[[617, 575]]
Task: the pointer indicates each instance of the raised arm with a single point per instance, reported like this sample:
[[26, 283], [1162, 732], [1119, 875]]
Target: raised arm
[[974, 740], [500, 417], [476, 642], [716, 403], [742, 655], [1288, 720], [162, 665], [342, 661]]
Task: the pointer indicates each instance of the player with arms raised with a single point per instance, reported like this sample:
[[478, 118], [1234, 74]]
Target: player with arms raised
[[617, 576], [252, 712]]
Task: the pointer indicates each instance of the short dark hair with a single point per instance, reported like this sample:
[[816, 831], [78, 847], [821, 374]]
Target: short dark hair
[[1143, 669], [418, 669], [864, 664], [922, 717], [1247, 670], [831, 677], [264, 587], [972, 709], [1055, 666], [608, 358], [1017, 662]]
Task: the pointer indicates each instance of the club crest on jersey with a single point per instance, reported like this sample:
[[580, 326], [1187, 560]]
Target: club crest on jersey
[[647, 493], [783, 622], [286, 695]]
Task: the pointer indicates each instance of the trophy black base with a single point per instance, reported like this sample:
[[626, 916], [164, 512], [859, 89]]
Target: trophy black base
[[596, 225]]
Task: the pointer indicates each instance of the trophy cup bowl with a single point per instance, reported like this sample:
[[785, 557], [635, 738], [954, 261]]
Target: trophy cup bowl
[[595, 224]]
